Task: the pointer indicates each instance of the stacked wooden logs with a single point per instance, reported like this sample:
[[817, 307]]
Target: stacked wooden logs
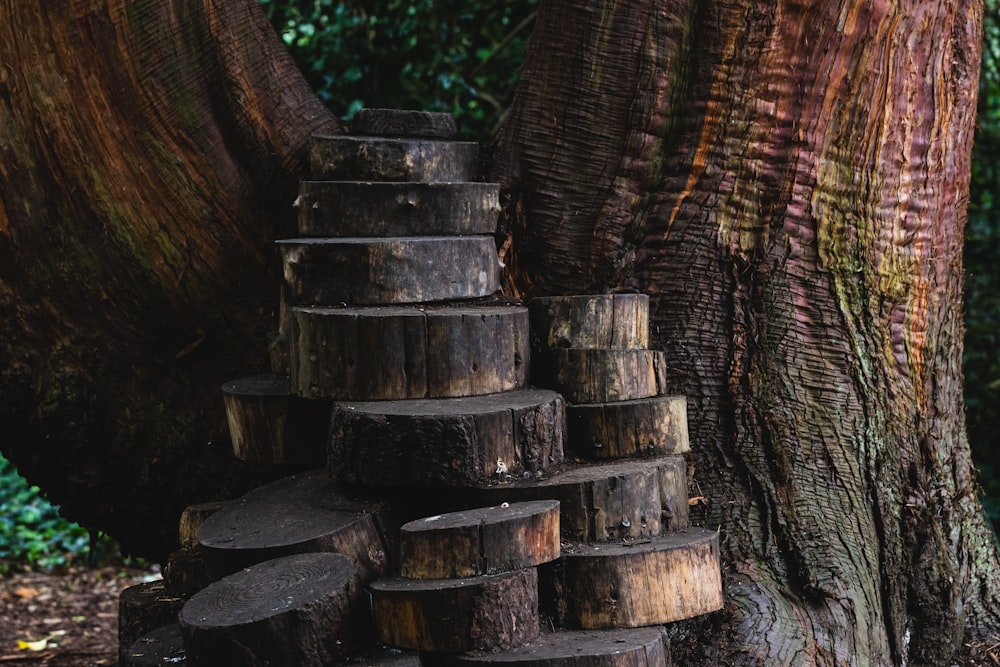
[[406, 376]]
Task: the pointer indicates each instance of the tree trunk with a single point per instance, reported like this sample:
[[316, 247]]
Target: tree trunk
[[788, 183], [150, 154]]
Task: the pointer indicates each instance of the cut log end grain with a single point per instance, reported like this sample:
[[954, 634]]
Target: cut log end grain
[[142, 609], [380, 271], [490, 613], [291, 610], [270, 424], [646, 582], [599, 321], [640, 647], [159, 647], [366, 209], [407, 352], [600, 376], [489, 540], [473, 441], [349, 158], [655, 426], [404, 123]]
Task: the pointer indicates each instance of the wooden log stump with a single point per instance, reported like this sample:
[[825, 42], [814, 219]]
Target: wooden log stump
[[655, 426], [300, 514], [640, 647], [143, 608], [597, 321], [378, 271], [672, 473], [646, 582], [190, 569], [404, 123], [294, 610], [601, 502], [490, 613], [600, 376], [464, 442], [191, 519], [366, 209], [162, 646], [363, 354], [270, 424], [343, 158], [483, 541]]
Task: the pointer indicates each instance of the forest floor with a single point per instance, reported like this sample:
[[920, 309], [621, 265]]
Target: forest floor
[[63, 619]]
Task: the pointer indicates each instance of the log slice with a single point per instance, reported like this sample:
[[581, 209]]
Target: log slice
[[598, 321], [404, 123], [143, 608], [641, 647], [341, 158], [655, 426], [162, 646], [600, 376]]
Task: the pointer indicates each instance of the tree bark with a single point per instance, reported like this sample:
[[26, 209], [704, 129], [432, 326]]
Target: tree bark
[[150, 155], [787, 182]]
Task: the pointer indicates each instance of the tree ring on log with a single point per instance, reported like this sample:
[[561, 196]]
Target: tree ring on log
[[640, 647]]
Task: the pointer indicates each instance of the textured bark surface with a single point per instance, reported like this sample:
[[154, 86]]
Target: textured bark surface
[[149, 154], [787, 181]]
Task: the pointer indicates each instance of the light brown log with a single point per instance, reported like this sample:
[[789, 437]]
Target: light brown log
[[366, 209], [191, 519], [489, 613], [361, 354], [404, 123], [654, 426], [646, 582], [489, 540], [340, 158], [595, 321], [299, 514], [641, 647], [294, 610], [600, 502], [143, 608], [269, 423], [159, 647], [463, 442], [672, 475], [380, 271], [600, 376]]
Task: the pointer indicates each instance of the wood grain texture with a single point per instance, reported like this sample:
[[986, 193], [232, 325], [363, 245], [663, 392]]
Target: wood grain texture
[[404, 123], [142, 609], [451, 442], [642, 647], [294, 610], [595, 321], [654, 426], [381, 271], [647, 582], [157, 648], [365, 209], [489, 613], [191, 519], [600, 375], [361, 354], [343, 158], [489, 540]]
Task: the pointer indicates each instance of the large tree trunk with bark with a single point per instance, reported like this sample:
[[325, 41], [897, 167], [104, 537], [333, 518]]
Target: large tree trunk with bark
[[788, 182], [150, 155]]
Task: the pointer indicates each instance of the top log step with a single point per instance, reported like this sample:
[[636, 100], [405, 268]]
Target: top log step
[[346, 158], [591, 321], [404, 123]]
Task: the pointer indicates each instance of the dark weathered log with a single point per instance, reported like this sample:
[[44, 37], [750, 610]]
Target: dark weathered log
[[404, 123], [601, 502], [473, 441], [269, 423], [294, 610], [190, 569], [596, 321], [490, 613], [340, 158], [143, 608], [645, 582], [490, 540], [674, 493], [301, 513], [641, 647], [378, 271], [191, 519], [600, 376], [162, 646], [366, 209], [361, 354], [652, 426]]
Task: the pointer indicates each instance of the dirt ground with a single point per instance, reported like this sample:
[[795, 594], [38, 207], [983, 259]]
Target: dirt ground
[[67, 619]]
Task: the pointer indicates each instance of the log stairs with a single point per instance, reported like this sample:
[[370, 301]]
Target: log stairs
[[481, 482]]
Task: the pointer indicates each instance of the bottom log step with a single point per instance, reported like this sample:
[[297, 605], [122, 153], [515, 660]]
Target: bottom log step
[[642, 647], [294, 610], [163, 646], [143, 608]]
